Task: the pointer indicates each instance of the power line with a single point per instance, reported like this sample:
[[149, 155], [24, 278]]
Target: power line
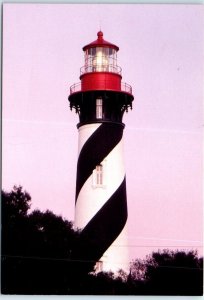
[[155, 246], [88, 261]]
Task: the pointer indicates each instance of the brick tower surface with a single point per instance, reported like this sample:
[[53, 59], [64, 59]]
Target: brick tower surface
[[100, 100]]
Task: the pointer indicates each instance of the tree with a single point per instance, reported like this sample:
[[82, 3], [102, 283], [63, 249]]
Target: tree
[[39, 251], [17, 202], [138, 269], [36, 248], [170, 273], [15, 206]]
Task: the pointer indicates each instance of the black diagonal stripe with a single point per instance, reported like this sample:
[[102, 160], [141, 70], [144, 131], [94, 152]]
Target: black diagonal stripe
[[96, 148], [103, 228]]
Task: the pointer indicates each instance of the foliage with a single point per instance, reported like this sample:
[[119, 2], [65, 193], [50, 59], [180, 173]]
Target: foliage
[[169, 273], [39, 251]]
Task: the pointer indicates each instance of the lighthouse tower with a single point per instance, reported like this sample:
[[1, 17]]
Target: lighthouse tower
[[100, 100]]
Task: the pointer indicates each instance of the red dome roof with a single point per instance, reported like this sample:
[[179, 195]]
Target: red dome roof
[[100, 42]]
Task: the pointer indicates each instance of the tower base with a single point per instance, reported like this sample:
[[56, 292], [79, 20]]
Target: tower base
[[116, 256]]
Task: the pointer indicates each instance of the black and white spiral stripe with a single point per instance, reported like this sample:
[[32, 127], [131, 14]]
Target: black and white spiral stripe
[[101, 221]]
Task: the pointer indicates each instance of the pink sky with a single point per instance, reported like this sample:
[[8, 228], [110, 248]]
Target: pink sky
[[161, 54]]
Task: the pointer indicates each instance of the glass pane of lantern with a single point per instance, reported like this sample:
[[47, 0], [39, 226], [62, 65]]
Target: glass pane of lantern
[[101, 59]]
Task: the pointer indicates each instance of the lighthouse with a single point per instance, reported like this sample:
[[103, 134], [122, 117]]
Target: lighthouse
[[100, 100]]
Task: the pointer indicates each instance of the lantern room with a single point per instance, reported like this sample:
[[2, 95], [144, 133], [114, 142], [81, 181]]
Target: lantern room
[[100, 56], [100, 70], [100, 96]]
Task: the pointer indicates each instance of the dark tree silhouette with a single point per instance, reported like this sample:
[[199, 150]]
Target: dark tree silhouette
[[104, 283], [169, 273], [14, 207], [39, 251]]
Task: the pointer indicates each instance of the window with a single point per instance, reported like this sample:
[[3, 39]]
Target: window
[[99, 266], [98, 177], [100, 60], [99, 108]]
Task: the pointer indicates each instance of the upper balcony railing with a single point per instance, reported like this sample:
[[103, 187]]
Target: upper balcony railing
[[76, 87], [124, 88], [101, 68]]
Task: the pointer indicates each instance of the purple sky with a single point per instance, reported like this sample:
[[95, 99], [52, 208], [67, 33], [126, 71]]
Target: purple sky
[[161, 54]]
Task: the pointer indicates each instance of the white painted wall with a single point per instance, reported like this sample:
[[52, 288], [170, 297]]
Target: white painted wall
[[91, 199]]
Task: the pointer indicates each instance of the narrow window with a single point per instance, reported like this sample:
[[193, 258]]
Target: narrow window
[[99, 266], [99, 108], [99, 175]]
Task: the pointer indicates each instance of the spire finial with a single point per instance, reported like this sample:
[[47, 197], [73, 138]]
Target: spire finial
[[100, 35], [100, 24]]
